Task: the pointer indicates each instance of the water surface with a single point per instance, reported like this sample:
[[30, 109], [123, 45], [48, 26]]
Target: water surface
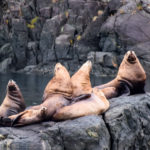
[[32, 86]]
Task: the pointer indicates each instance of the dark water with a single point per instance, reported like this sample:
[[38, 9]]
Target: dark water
[[32, 86]]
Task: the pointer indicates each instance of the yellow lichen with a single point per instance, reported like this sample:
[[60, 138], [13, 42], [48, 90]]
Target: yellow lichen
[[71, 42], [31, 25], [78, 37], [94, 18], [7, 21], [122, 11], [139, 6], [100, 12], [92, 134], [67, 14], [2, 137], [34, 20]]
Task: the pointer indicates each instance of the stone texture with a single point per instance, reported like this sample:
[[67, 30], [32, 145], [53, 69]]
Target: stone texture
[[87, 132], [124, 126], [82, 27], [128, 122]]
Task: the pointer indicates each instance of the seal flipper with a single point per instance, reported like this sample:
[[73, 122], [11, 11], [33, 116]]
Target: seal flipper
[[29, 117], [5, 122], [124, 89], [81, 97]]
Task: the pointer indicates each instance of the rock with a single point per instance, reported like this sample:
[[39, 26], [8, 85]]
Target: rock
[[106, 59], [63, 47], [68, 29], [128, 122], [6, 51], [27, 12], [127, 28], [4, 36], [19, 41], [87, 132], [46, 12], [50, 31], [91, 26], [5, 65], [124, 126]]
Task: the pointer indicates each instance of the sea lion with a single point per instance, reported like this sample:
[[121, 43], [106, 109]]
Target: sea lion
[[129, 80], [95, 103], [55, 93], [81, 84], [13, 102]]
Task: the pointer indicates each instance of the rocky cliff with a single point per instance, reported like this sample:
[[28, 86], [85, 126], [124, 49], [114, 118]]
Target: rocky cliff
[[125, 126], [35, 34]]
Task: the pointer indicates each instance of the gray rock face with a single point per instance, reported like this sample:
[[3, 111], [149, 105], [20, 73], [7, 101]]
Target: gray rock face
[[80, 27], [124, 126]]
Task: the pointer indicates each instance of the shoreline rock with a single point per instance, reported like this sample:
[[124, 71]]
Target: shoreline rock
[[124, 126]]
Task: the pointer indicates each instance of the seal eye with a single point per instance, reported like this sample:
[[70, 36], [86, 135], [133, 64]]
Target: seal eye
[[12, 88]]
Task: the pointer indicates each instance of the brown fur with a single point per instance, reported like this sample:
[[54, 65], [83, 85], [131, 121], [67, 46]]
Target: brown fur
[[59, 84], [95, 104], [130, 73], [54, 98], [13, 102], [81, 80]]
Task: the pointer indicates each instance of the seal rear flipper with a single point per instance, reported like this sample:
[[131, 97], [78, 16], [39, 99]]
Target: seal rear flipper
[[30, 116], [5, 122]]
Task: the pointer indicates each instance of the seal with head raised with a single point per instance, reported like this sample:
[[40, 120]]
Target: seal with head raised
[[94, 101], [129, 80], [57, 94], [13, 102]]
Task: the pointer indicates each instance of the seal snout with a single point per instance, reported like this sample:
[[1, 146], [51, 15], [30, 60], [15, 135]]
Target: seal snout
[[87, 65], [57, 66], [131, 56], [12, 85]]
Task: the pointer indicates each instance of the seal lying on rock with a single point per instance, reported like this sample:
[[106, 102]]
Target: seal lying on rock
[[96, 103], [13, 102], [55, 95], [129, 80]]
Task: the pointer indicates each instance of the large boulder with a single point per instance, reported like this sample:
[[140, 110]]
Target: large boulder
[[124, 126], [127, 28], [128, 122]]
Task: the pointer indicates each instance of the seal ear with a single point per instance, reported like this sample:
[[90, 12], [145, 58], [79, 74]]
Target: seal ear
[[60, 83], [81, 80]]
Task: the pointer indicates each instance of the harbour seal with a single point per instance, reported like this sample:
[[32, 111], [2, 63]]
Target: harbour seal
[[95, 103], [129, 80]]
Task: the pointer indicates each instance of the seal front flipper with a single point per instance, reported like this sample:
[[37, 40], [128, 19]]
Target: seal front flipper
[[13, 102]]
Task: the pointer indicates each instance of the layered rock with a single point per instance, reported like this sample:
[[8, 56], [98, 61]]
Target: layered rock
[[43, 32], [124, 126]]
